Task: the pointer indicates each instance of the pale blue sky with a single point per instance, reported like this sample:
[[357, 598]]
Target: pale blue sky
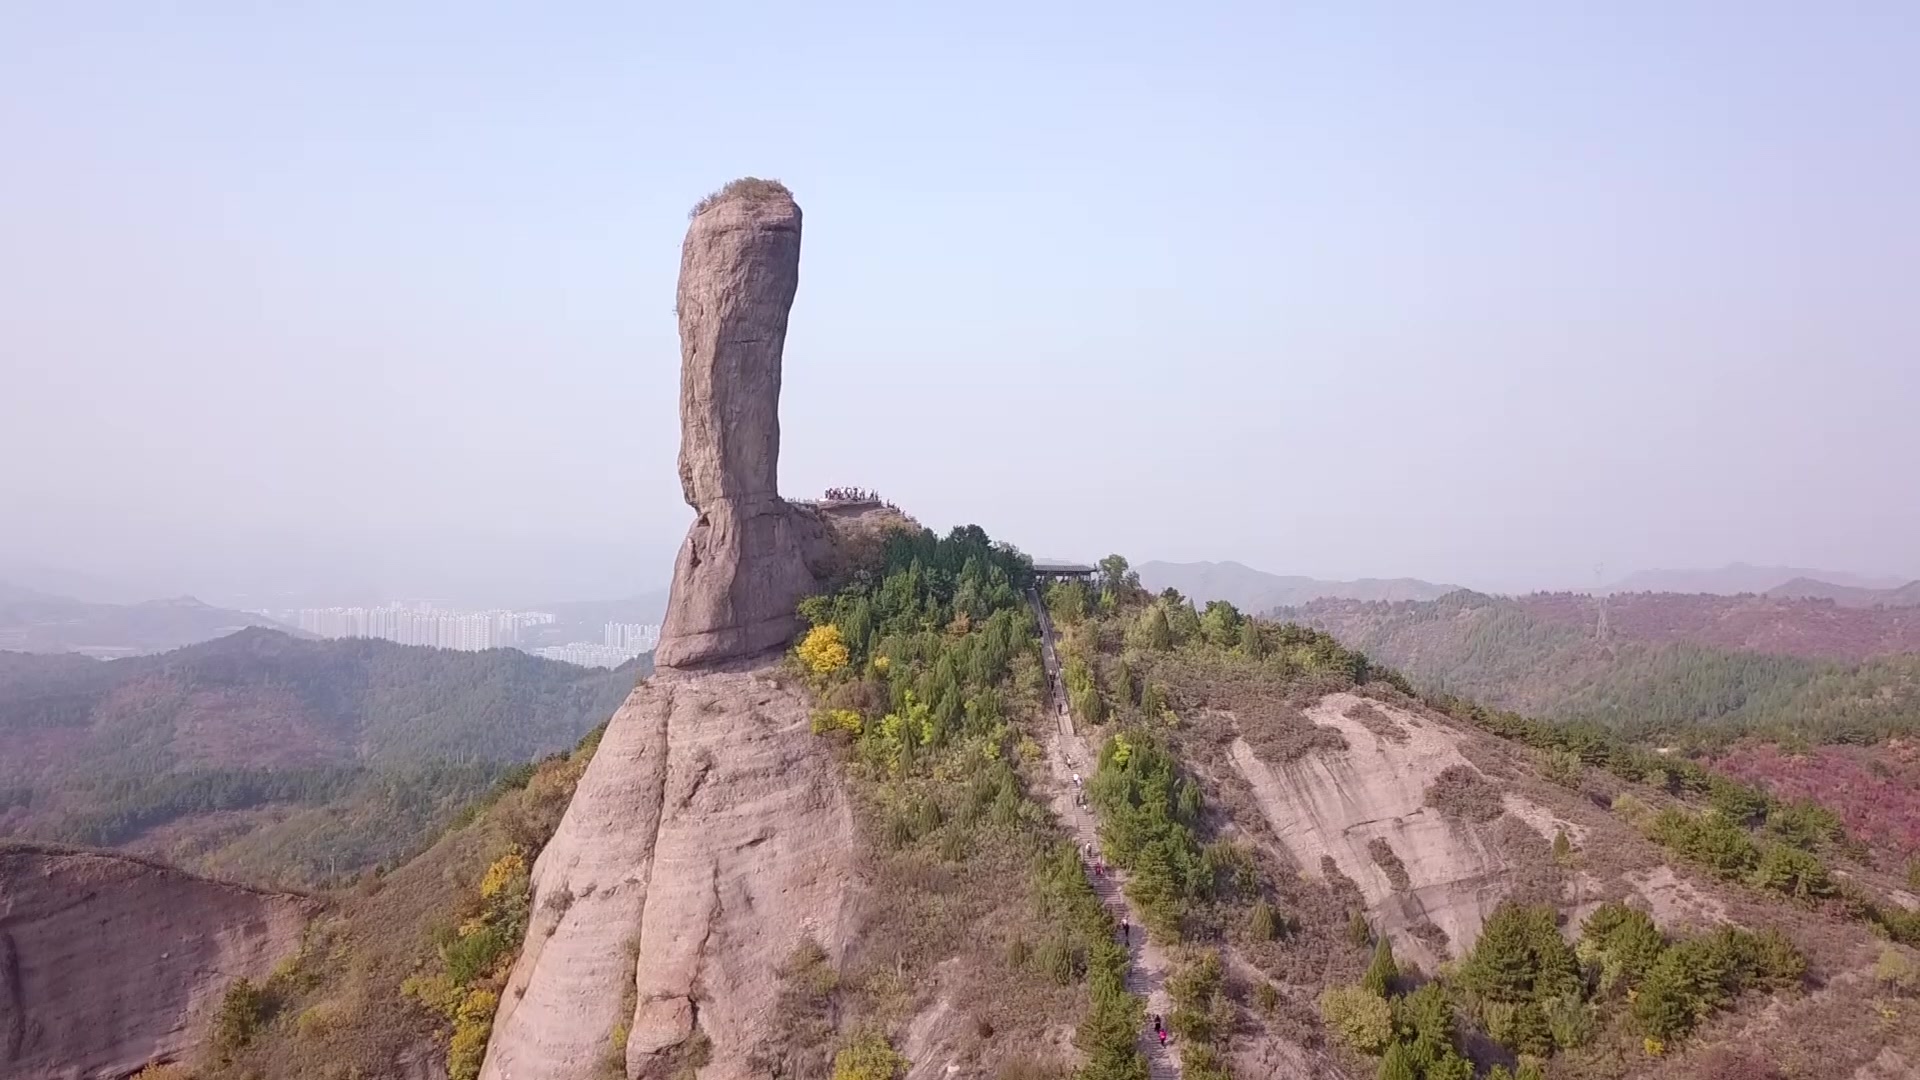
[[1477, 292]]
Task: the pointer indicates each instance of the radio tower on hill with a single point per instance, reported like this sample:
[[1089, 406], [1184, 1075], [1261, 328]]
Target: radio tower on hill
[[1600, 628]]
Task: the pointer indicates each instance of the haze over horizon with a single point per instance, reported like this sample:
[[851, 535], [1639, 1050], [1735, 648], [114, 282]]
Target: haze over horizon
[[363, 301]]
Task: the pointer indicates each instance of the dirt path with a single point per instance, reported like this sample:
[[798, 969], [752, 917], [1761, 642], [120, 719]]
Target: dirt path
[[1068, 757]]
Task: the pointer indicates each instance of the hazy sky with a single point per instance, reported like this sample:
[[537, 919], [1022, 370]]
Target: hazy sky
[[380, 295]]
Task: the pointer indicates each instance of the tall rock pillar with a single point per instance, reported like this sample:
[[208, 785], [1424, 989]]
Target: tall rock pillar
[[742, 568], [711, 834]]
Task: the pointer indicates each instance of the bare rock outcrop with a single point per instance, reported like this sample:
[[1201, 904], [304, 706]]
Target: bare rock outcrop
[[710, 835], [1364, 810], [108, 963], [743, 566]]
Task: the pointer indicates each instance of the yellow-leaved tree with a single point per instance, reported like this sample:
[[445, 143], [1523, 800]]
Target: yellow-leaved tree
[[822, 650]]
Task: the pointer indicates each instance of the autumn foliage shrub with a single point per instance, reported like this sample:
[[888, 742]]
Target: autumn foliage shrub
[[474, 960]]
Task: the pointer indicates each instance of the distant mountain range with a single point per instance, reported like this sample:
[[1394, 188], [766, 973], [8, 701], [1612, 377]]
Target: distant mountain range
[[1849, 596], [1257, 592], [1651, 662], [37, 622], [1736, 578]]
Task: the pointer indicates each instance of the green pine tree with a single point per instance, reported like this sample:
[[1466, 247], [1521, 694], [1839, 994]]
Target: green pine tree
[[1159, 633], [1398, 1064], [1382, 972], [1251, 642]]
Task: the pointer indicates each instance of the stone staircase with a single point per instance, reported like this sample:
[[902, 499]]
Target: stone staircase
[[1069, 757]]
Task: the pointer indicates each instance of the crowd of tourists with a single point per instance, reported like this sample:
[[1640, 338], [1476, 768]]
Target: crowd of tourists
[[851, 495]]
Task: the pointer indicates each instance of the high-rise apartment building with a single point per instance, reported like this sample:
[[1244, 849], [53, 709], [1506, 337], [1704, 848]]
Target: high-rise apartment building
[[420, 625], [635, 638]]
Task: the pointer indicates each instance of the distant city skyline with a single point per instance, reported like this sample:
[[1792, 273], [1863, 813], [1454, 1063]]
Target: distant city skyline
[[638, 637], [417, 623], [435, 625]]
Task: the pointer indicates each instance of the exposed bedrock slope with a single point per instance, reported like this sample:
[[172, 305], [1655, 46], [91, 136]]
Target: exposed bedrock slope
[[707, 838], [108, 963], [1340, 804]]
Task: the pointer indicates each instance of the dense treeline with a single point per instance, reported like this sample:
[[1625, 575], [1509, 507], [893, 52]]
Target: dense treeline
[[129, 805], [931, 636], [1149, 823], [1495, 651]]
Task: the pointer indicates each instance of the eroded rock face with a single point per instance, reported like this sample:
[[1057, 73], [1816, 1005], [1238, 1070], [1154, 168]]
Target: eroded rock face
[[708, 838], [743, 566], [1339, 805], [108, 963]]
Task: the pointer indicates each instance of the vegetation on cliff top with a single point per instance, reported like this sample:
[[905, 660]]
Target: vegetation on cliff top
[[927, 666]]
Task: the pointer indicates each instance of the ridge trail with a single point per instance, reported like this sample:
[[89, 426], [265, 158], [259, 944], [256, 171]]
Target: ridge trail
[[1068, 756]]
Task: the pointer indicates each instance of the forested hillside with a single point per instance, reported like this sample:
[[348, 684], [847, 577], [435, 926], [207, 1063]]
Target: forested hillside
[[275, 758], [1811, 628], [1545, 655]]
